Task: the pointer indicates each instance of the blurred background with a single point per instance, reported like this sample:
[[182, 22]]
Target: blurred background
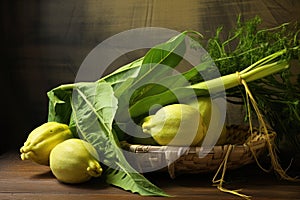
[[44, 42]]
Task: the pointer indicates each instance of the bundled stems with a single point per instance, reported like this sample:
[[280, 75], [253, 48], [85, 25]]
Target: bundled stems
[[262, 68]]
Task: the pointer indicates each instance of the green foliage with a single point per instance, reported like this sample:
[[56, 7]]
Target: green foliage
[[277, 96], [246, 44]]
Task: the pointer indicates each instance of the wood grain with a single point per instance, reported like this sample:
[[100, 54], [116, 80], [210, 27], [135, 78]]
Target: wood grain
[[27, 180]]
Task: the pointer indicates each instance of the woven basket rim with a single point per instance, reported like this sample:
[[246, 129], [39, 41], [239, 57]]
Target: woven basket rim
[[197, 159], [256, 142]]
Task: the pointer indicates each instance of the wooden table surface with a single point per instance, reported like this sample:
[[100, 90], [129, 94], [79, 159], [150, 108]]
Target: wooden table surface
[[27, 180]]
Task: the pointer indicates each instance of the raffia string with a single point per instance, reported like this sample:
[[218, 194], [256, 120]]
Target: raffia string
[[223, 167], [264, 132], [263, 127]]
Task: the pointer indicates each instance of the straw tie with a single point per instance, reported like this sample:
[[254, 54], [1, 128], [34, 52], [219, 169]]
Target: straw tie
[[264, 132]]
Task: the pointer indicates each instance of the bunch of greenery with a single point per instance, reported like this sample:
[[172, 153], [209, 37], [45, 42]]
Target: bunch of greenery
[[277, 95], [92, 108]]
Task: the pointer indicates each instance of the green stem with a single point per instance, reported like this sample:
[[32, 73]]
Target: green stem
[[233, 80], [265, 70], [265, 60], [67, 86]]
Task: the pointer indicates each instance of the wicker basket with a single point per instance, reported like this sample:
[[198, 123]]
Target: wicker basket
[[242, 152]]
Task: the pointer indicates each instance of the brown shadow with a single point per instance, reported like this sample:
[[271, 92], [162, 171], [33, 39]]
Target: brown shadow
[[92, 184], [44, 175]]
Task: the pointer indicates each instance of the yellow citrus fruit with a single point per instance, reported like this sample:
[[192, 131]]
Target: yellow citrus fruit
[[74, 161], [176, 125], [205, 108], [42, 140]]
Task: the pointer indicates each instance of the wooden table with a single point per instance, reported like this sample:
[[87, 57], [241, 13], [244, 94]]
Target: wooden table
[[27, 180]]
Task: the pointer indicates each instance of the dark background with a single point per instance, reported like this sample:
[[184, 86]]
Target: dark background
[[44, 43]]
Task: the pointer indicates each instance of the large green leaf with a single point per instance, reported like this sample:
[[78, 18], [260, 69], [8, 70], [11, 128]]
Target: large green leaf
[[156, 65], [94, 106], [172, 82], [59, 104], [142, 70], [124, 73], [134, 182]]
